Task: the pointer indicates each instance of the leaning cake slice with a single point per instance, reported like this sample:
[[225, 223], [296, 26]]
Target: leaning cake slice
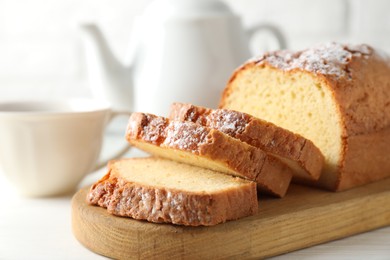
[[299, 153], [197, 145]]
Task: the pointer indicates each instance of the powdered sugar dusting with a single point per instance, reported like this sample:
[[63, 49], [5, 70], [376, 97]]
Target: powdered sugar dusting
[[227, 121], [328, 59], [185, 135]]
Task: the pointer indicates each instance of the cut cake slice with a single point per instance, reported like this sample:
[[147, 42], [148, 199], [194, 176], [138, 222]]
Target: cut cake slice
[[299, 153], [193, 144], [159, 190]]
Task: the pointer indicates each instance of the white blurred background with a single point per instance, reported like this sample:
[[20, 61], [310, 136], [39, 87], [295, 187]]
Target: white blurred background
[[41, 53]]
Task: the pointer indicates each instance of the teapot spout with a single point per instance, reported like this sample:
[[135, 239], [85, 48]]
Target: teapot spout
[[109, 80]]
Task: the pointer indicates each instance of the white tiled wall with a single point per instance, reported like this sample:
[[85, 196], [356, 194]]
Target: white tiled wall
[[41, 54]]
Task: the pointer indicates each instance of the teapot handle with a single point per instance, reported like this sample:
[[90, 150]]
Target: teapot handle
[[277, 33]]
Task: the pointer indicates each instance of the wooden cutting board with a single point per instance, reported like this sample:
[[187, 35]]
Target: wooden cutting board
[[305, 217]]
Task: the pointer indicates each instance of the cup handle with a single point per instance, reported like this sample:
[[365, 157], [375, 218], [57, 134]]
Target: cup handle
[[279, 36], [121, 152]]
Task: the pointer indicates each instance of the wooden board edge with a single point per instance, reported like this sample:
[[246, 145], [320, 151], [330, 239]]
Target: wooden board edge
[[246, 238]]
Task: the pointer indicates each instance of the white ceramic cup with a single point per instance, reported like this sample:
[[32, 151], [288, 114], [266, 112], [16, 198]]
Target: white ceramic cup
[[47, 147]]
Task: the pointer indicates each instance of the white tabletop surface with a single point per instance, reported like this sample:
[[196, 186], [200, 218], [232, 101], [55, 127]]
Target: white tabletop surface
[[32, 228]]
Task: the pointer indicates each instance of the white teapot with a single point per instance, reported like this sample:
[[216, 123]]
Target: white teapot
[[182, 50]]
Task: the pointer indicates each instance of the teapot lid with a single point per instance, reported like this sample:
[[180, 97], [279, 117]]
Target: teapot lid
[[186, 8]]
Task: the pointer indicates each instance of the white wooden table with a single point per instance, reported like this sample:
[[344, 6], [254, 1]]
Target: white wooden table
[[41, 229]]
